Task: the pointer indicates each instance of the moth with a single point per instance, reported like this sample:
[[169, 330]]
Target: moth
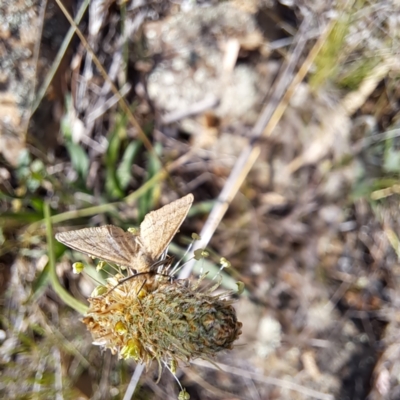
[[138, 251]]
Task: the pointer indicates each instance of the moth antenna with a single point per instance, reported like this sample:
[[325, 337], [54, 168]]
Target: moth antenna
[[128, 278], [141, 287]]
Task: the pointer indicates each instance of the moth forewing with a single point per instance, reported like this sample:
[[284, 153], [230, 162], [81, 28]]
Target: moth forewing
[[160, 226], [108, 243]]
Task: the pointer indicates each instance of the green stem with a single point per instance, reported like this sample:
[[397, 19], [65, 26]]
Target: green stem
[[58, 288]]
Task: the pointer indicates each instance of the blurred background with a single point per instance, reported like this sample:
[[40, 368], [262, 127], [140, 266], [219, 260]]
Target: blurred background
[[283, 120]]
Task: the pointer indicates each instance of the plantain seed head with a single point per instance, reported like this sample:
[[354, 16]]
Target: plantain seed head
[[149, 319]]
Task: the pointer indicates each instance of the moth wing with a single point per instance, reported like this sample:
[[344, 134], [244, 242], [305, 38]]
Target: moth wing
[[108, 243], [160, 226]]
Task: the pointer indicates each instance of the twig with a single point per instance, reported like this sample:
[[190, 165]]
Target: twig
[[106, 105], [134, 381]]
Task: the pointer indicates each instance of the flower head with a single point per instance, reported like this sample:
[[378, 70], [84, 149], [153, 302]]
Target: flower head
[[152, 317]]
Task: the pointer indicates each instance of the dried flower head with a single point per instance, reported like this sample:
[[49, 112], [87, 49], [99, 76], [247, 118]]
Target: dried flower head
[[160, 319]]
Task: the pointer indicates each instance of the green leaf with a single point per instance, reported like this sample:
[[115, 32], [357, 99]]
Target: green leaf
[[37, 204], [201, 208], [112, 157], [21, 216], [147, 201], [79, 158], [40, 284], [66, 128], [124, 171]]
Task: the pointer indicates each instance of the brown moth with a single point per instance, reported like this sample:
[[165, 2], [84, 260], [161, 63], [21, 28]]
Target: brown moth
[[137, 251]]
